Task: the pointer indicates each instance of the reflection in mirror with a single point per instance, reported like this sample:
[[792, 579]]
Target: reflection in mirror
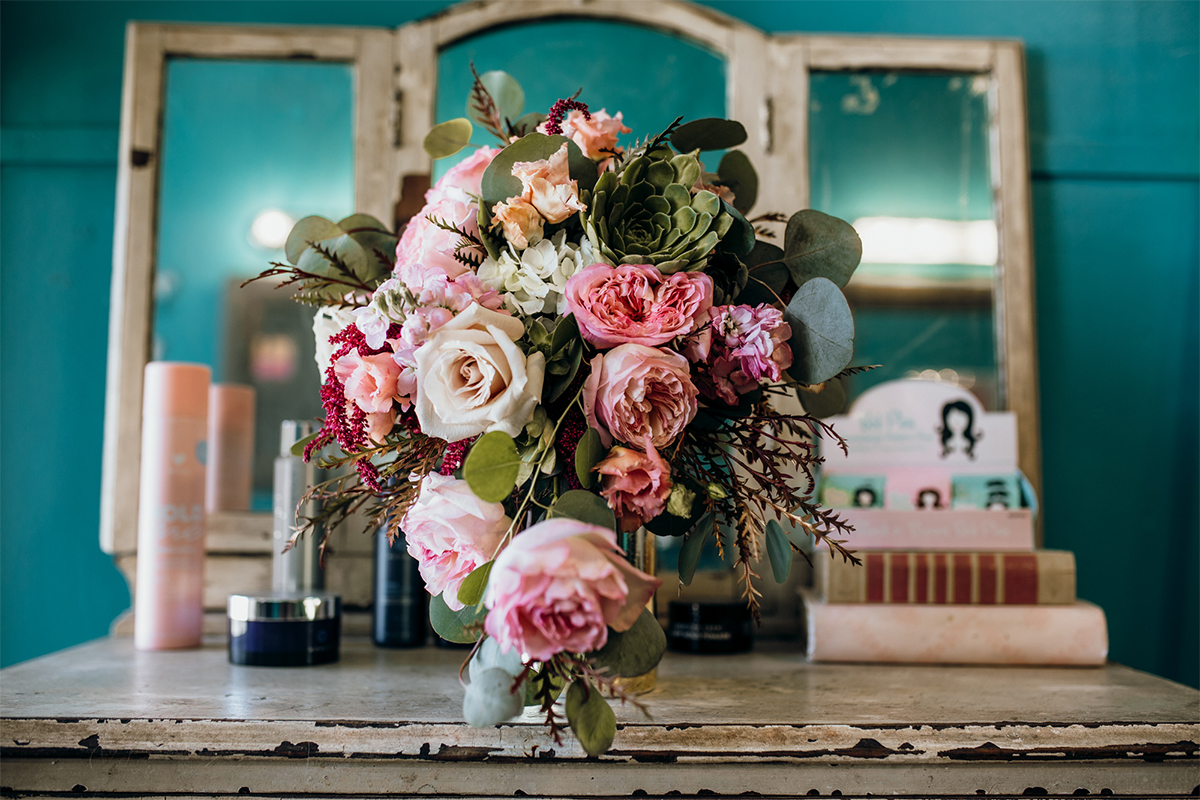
[[248, 146], [556, 59], [904, 157]]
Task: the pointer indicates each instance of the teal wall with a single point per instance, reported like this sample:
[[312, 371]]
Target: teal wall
[[1113, 90]]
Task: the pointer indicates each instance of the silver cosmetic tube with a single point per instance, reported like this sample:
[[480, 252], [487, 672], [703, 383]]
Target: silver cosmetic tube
[[299, 569]]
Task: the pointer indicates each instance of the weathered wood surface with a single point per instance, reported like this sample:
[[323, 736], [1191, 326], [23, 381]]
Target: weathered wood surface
[[108, 718]]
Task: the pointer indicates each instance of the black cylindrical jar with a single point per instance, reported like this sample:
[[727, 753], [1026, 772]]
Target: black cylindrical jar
[[284, 630]]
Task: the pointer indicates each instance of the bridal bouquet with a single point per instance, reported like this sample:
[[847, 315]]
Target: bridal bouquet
[[575, 339]]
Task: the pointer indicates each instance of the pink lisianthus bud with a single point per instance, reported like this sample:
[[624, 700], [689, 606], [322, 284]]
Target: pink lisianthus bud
[[520, 221], [451, 532], [635, 393], [635, 484], [634, 303], [559, 586]]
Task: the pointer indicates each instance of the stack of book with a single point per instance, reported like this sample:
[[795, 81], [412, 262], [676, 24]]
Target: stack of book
[[950, 573]]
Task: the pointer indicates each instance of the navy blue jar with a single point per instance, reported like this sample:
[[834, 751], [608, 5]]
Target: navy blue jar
[[289, 630]]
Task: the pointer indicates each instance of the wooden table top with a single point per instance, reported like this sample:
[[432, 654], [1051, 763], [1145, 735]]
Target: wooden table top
[[390, 721]]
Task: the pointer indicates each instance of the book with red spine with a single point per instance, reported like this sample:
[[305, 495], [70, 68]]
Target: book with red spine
[[1041, 577]]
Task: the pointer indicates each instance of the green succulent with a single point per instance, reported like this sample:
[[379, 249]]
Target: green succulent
[[646, 214]]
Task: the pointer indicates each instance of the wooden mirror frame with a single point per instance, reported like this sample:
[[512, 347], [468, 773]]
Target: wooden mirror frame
[[396, 86]]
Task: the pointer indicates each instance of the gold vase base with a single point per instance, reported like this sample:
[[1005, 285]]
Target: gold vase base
[[639, 684]]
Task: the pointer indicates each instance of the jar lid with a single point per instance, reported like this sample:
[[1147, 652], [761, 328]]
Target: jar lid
[[284, 607]]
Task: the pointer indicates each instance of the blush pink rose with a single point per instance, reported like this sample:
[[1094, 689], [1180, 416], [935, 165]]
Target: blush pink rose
[[635, 484], [451, 532], [374, 383], [634, 303], [635, 393], [559, 586], [466, 175]]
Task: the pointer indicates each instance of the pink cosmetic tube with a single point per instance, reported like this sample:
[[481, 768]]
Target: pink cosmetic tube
[[230, 447], [168, 600]]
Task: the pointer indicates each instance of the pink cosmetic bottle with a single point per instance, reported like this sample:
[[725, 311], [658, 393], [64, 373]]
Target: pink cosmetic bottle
[[168, 601], [230, 447]]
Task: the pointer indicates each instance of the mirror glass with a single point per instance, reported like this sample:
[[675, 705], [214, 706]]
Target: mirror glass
[[247, 147], [904, 157], [556, 59]]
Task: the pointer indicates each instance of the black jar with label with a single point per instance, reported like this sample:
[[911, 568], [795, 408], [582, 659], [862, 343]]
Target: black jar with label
[[710, 628]]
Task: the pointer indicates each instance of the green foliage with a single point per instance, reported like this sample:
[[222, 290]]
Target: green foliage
[[693, 545], [331, 258], [779, 551], [499, 184], [816, 245], [449, 137], [594, 723], [710, 133], [298, 447], [543, 686], [460, 626], [565, 356], [470, 591], [768, 275], [490, 700], [506, 93], [491, 467], [305, 232], [588, 453], [828, 399], [736, 172], [584, 506], [822, 331], [633, 652]]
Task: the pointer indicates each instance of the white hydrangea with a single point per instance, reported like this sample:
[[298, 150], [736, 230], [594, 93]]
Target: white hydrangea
[[533, 280]]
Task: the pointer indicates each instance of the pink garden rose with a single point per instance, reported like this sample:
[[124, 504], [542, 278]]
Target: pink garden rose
[[635, 484], [635, 392], [424, 247], [450, 532], [373, 384], [635, 303], [559, 586]]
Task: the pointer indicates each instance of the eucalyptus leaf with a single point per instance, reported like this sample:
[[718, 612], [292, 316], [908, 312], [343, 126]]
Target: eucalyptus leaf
[[710, 133], [499, 184], [594, 723], [490, 699], [816, 245], [779, 551], [533, 684], [584, 506], [736, 172], [309, 229], [490, 469], [588, 453], [822, 331], [506, 93], [689, 552], [529, 123], [489, 656], [298, 447], [348, 252], [740, 238], [452, 625], [448, 138], [566, 331], [562, 383], [828, 399], [470, 591], [363, 222], [635, 651]]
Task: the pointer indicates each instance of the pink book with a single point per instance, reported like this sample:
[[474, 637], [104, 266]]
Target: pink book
[[959, 530], [1074, 635]]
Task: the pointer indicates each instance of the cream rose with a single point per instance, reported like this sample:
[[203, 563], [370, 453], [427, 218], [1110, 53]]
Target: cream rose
[[472, 377]]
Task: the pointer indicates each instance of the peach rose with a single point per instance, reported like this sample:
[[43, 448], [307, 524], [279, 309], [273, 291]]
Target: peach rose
[[520, 221], [634, 303], [450, 532], [547, 185], [635, 484], [560, 585], [635, 392], [596, 137]]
